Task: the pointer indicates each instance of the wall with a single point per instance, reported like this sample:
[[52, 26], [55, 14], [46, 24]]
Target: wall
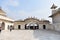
[[48, 26], [57, 26], [56, 22], [56, 18], [8, 23]]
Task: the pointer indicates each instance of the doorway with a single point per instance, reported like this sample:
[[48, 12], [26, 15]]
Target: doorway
[[32, 26], [44, 26], [3, 25], [19, 27]]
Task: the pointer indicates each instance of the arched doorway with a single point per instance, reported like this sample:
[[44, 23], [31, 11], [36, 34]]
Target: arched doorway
[[3, 25], [44, 26], [32, 26], [19, 26], [26, 27]]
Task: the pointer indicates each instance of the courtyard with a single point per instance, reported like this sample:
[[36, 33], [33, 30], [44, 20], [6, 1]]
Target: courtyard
[[29, 35]]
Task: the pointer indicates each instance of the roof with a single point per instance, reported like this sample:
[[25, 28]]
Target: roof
[[2, 12], [6, 18], [32, 19], [53, 6]]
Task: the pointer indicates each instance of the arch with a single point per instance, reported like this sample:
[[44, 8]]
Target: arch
[[26, 27], [44, 26], [19, 26], [3, 25], [32, 26]]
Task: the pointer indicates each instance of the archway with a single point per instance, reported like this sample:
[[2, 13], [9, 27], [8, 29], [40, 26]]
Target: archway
[[3, 25], [44, 26], [32, 26], [19, 26]]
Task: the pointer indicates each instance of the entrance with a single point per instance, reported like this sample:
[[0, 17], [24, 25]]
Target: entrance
[[32, 26], [3, 25], [18, 26], [44, 26]]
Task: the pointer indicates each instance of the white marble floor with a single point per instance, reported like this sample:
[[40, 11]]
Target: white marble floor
[[29, 35]]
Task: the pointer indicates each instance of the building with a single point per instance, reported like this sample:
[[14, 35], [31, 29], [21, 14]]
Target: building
[[32, 23], [5, 22], [55, 17]]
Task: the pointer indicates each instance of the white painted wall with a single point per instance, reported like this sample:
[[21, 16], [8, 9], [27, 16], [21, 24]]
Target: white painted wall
[[56, 19], [56, 22], [54, 11], [8, 23], [57, 26]]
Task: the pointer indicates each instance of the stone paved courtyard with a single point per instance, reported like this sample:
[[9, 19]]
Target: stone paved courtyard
[[29, 35]]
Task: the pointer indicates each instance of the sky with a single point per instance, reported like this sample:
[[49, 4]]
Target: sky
[[21, 9]]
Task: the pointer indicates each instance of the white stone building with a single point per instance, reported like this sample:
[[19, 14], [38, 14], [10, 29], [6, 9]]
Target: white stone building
[[55, 17], [5, 22], [33, 23]]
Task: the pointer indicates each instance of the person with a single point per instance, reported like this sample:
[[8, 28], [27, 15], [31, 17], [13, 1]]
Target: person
[[10, 28], [0, 29]]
